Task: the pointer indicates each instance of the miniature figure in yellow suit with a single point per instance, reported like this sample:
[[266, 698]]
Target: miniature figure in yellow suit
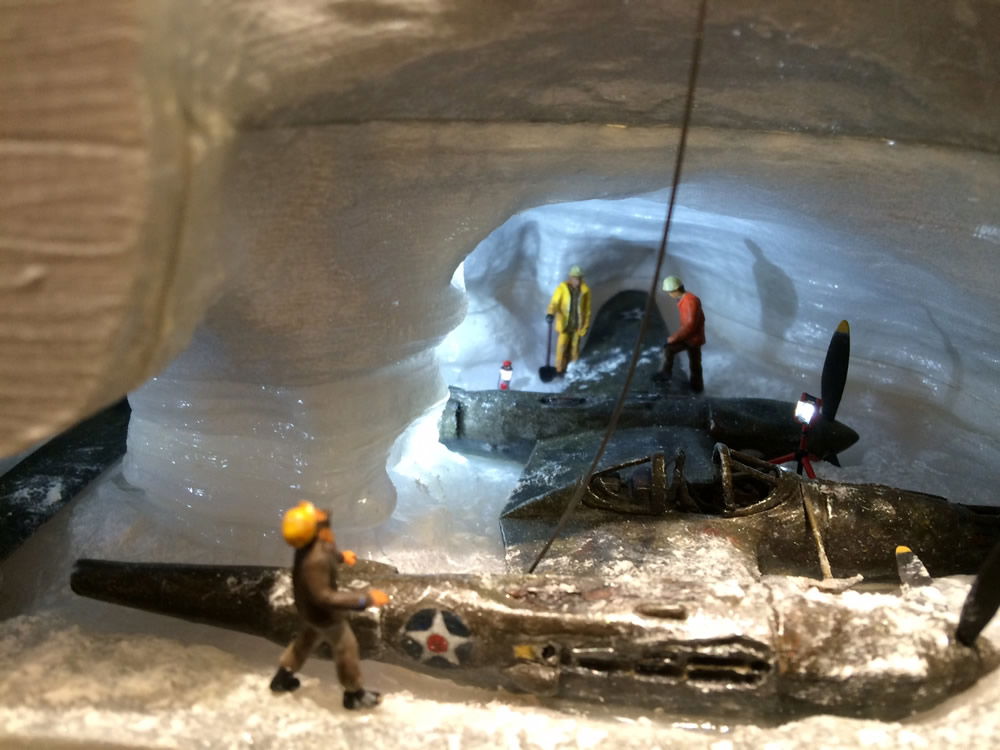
[[570, 309]]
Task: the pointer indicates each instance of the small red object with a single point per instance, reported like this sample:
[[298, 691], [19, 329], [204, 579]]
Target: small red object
[[506, 373], [806, 411]]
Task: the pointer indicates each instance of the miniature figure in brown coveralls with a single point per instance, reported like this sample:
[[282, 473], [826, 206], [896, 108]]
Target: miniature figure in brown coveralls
[[322, 607]]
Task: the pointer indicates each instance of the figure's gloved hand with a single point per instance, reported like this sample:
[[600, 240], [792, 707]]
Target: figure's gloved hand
[[377, 598], [349, 557], [549, 318]]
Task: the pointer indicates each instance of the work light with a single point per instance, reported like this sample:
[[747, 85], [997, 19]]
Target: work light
[[806, 408]]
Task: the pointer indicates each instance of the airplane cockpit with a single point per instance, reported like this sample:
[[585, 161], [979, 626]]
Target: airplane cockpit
[[742, 485]]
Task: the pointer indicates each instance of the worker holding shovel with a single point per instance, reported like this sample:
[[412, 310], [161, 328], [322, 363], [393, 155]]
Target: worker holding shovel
[[569, 309]]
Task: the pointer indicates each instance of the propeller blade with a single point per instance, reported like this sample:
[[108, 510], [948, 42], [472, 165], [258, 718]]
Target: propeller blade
[[982, 602], [838, 357]]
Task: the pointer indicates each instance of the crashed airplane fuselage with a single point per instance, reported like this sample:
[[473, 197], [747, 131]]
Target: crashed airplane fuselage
[[511, 423], [764, 650]]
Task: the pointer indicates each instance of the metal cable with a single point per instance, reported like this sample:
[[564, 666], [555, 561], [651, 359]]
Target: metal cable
[[651, 298]]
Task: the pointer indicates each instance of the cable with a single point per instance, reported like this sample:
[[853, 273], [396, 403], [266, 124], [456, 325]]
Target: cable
[[651, 298]]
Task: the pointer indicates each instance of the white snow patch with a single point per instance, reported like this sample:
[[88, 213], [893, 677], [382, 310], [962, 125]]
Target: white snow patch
[[989, 232], [281, 594], [54, 494]]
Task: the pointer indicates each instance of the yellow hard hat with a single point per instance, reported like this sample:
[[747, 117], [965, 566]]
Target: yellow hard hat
[[300, 523], [576, 271]]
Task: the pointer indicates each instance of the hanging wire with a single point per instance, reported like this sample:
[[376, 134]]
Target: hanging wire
[[651, 297]]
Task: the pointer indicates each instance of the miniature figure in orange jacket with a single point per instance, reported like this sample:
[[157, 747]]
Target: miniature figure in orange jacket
[[690, 337]]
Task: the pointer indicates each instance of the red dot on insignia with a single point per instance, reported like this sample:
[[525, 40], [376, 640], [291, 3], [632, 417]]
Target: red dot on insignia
[[437, 644]]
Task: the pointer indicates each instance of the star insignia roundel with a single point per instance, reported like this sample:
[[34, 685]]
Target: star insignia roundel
[[437, 638]]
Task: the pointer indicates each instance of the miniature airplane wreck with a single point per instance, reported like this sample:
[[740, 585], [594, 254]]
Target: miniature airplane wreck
[[764, 650], [695, 579]]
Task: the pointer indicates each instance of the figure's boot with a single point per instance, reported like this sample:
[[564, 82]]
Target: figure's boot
[[667, 370], [356, 699], [284, 681], [663, 376]]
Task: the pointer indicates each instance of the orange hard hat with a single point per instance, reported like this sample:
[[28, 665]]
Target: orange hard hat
[[300, 524]]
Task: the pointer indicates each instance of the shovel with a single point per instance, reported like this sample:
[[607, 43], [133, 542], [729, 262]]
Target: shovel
[[548, 372]]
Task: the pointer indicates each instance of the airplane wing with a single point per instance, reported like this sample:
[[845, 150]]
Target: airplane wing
[[595, 538]]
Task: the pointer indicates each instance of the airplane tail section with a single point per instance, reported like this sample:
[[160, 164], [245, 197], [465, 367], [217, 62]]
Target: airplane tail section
[[911, 570]]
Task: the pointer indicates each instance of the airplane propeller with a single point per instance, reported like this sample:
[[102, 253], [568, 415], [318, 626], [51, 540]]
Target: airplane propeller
[[838, 358], [982, 602], [838, 355]]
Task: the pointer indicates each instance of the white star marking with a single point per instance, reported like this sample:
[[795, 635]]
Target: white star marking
[[439, 629]]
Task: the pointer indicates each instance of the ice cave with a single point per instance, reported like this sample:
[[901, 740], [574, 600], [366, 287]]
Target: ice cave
[[284, 229]]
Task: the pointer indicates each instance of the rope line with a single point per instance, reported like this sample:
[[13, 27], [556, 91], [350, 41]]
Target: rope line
[[651, 298]]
